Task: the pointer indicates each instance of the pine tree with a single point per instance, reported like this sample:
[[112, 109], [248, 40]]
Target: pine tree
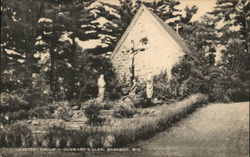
[[234, 16], [119, 16], [66, 22], [19, 27]]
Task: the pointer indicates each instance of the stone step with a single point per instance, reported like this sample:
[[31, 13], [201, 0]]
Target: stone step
[[106, 113], [79, 119]]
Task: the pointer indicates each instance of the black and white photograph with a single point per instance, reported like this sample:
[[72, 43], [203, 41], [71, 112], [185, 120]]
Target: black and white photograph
[[124, 78]]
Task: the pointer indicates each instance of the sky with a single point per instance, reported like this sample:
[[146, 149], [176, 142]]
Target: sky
[[203, 7]]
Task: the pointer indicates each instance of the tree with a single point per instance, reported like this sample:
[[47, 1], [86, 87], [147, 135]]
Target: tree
[[20, 31], [235, 40], [66, 22], [235, 16], [118, 17], [79, 23]]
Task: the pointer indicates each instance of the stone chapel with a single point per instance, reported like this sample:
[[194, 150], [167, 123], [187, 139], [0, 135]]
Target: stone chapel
[[150, 45]]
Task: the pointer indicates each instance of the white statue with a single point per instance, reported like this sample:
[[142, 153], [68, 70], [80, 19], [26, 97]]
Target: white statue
[[150, 86], [101, 88]]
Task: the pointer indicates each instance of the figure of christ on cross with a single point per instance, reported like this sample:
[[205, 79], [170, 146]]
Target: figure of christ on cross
[[132, 52]]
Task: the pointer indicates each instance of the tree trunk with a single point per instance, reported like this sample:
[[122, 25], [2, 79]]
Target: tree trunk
[[52, 71], [74, 92]]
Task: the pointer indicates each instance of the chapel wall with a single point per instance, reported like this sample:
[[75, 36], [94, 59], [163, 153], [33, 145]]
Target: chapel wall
[[161, 53]]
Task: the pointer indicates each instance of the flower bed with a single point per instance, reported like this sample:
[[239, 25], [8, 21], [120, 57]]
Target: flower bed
[[118, 133]]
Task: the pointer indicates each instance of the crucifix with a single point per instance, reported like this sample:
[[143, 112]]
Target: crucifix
[[132, 52], [177, 27]]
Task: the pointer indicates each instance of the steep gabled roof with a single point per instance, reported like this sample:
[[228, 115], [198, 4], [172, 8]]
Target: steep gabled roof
[[172, 33], [165, 26]]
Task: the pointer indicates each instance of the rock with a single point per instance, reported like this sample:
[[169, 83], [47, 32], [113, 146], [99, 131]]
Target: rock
[[109, 141], [75, 107], [156, 101], [34, 122], [29, 121], [152, 111], [136, 115]]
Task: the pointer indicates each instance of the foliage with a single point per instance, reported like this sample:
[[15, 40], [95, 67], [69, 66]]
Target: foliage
[[20, 30], [92, 112], [129, 130], [23, 103], [41, 60], [44, 112], [12, 102], [119, 16], [16, 136], [162, 88], [62, 110], [123, 111], [90, 68]]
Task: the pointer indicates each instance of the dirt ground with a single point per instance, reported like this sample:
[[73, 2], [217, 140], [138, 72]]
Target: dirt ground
[[216, 130]]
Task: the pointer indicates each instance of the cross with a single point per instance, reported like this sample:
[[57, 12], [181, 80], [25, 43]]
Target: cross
[[132, 52], [177, 27]]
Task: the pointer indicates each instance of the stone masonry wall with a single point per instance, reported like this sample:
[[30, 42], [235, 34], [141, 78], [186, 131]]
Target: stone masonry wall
[[161, 51]]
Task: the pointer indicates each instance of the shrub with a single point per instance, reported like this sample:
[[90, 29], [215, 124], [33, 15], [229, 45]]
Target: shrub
[[56, 136], [92, 112], [162, 88], [62, 110], [91, 66], [12, 102], [124, 132], [16, 136], [124, 112], [42, 112], [18, 115], [145, 126]]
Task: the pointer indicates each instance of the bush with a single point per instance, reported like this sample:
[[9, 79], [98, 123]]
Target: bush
[[62, 110], [12, 102], [92, 112], [42, 112], [16, 136], [91, 66], [56, 136], [126, 131], [239, 94], [143, 127], [124, 112], [162, 87], [18, 115]]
